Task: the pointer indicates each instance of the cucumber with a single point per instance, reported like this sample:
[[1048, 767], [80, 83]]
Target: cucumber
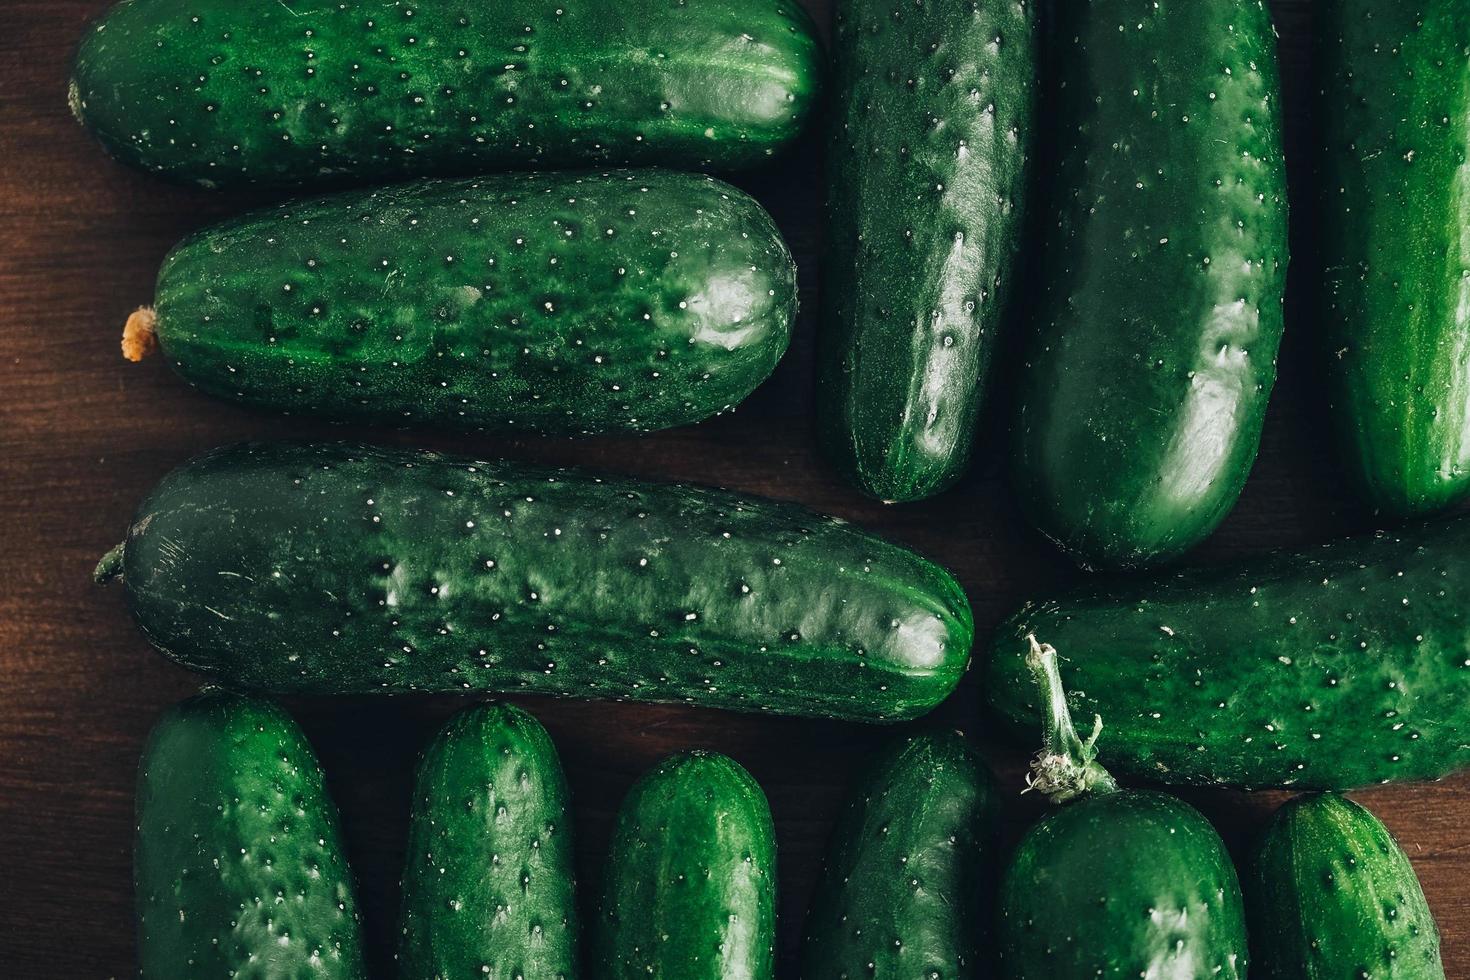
[[1330, 894], [335, 569], [221, 93], [1395, 108], [690, 886], [550, 303], [901, 892], [1144, 386], [926, 171], [488, 880], [1332, 667], [239, 866], [1116, 883]]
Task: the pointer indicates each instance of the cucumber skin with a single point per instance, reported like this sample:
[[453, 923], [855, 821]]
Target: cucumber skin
[[1334, 667], [501, 302], [488, 881], [263, 565], [1329, 894], [239, 863], [902, 888], [1120, 886], [1144, 387], [1392, 78], [927, 158], [220, 94], [690, 886]]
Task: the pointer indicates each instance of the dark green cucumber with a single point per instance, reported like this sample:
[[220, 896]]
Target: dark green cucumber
[[1116, 884], [488, 880], [343, 569], [1330, 894], [926, 171], [554, 303], [1332, 667], [901, 893], [690, 884], [1395, 88], [1143, 390], [239, 866], [217, 92]]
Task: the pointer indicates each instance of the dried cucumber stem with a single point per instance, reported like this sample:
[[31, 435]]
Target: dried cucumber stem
[[110, 567], [139, 338], [1066, 766]]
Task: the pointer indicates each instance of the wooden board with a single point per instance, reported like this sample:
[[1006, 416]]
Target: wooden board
[[83, 435]]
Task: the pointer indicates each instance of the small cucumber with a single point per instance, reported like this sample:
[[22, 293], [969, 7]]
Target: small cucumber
[[552, 303], [488, 881], [1116, 883], [901, 893], [690, 888], [335, 569], [1332, 667], [1395, 104], [288, 92], [1330, 895], [1144, 387], [926, 170], [239, 866]]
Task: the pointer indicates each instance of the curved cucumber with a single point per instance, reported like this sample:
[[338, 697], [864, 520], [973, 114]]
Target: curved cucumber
[[488, 880], [1114, 884], [690, 889], [1144, 388], [221, 93], [901, 893], [1330, 894], [554, 303], [927, 170], [1395, 87], [342, 569], [239, 866], [1329, 668]]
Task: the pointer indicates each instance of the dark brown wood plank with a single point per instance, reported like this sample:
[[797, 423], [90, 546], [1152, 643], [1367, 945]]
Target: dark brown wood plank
[[83, 435]]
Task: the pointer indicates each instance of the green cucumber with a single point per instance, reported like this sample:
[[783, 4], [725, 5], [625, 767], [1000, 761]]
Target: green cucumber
[[1116, 883], [239, 866], [551, 303], [337, 569], [1330, 894], [1395, 100], [1332, 667], [288, 92], [488, 880], [1143, 390], [690, 886], [926, 170], [901, 893]]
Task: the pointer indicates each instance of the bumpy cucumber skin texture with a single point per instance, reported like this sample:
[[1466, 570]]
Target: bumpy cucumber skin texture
[[1395, 85], [926, 166], [342, 569], [901, 893], [221, 93], [550, 303], [488, 878], [1122, 885], [1329, 894], [1144, 387], [690, 886], [1333, 667], [239, 865]]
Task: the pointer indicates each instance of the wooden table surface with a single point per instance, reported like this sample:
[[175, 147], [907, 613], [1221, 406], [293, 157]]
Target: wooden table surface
[[83, 435]]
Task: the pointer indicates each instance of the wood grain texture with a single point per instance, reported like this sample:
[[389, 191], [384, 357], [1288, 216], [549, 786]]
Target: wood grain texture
[[83, 435]]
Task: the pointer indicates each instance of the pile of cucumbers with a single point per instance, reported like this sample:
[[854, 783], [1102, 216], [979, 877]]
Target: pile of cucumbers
[[519, 227]]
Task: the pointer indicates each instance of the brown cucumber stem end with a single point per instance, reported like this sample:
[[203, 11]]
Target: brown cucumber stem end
[[140, 335], [1066, 767]]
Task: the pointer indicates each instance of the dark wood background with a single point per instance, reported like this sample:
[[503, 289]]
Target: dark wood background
[[83, 435]]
